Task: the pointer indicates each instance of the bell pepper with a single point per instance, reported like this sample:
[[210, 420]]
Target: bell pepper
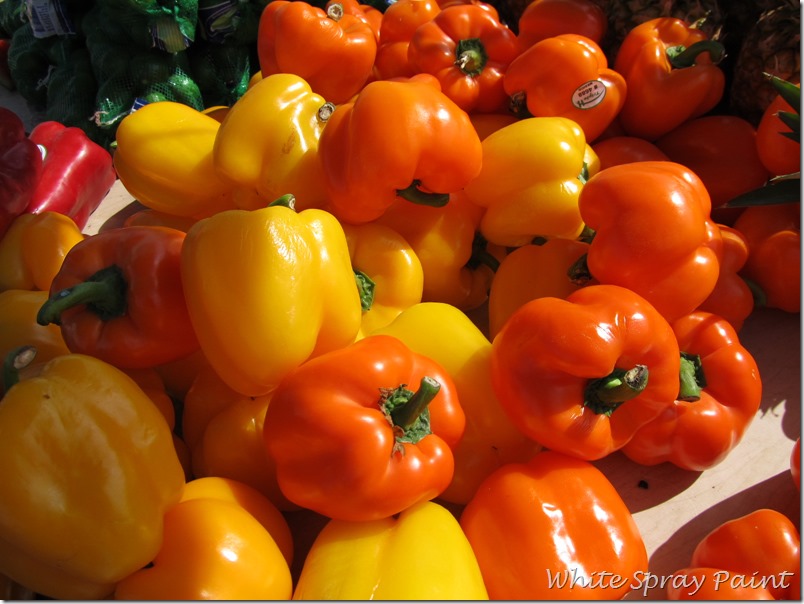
[[445, 334], [732, 298], [164, 160], [378, 559], [18, 326], [122, 477], [673, 75], [719, 395], [365, 431], [33, 249], [213, 548], [566, 75], [581, 375], [307, 302], [215, 416], [149, 217], [368, 12], [20, 168], [774, 253], [713, 584], [795, 463], [77, 173], [397, 26], [722, 151], [331, 49], [268, 143], [469, 51], [397, 138], [553, 528], [530, 181], [118, 296], [533, 271], [457, 263], [653, 234], [778, 149], [762, 546], [617, 150], [388, 273], [543, 19]]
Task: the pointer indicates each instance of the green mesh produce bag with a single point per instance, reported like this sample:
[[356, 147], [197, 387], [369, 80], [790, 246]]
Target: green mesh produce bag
[[167, 25], [12, 17], [222, 71], [230, 21]]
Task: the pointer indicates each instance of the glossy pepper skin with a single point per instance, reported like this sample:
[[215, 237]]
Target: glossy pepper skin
[[387, 270], [672, 73], [338, 50], [624, 149], [774, 253], [765, 542], [581, 375], [397, 26], [77, 173], [445, 334], [653, 234], [529, 181], [721, 390], [123, 475], [266, 290], [469, 51], [396, 138], [547, 18], [119, 296], [376, 560], [365, 431], [552, 514], [567, 75], [20, 168], [164, 159], [33, 249], [267, 145], [779, 153]]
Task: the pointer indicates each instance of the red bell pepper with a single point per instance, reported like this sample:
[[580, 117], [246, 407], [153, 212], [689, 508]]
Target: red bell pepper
[[77, 173], [20, 168]]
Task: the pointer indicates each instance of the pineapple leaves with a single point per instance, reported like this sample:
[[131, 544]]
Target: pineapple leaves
[[792, 96], [780, 190]]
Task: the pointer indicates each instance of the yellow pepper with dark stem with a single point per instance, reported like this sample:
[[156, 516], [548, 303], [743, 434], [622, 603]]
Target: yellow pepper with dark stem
[[79, 527], [267, 289], [532, 174], [267, 144], [420, 555], [388, 272], [164, 159], [33, 249], [445, 334]]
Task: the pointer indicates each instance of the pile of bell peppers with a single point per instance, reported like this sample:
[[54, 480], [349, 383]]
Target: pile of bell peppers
[[409, 287]]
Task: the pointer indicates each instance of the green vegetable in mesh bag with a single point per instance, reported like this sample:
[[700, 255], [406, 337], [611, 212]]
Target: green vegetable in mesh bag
[[222, 71], [12, 16], [230, 21], [167, 25]]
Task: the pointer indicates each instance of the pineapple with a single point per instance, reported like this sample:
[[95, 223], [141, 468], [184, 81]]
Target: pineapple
[[772, 44]]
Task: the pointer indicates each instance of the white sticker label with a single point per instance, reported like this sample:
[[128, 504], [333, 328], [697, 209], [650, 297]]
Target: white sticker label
[[589, 94]]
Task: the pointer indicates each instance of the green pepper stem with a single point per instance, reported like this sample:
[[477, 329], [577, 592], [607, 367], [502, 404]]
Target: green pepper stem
[[406, 414], [288, 200], [365, 287], [680, 56], [691, 378], [471, 56], [16, 359], [604, 395], [415, 195], [104, 293], [481, 255]]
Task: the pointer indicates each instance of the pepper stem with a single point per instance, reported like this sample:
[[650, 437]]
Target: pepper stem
[[481, 255], [691, 378], [288, 200], [104, 293], [681, 56], [16, 359], [578, 272], [471, 56], [407, 411], [415, 195], [604, 395], [365, 287]]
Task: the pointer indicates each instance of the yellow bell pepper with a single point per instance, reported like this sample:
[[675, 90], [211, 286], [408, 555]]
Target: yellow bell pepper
[[420, 555], [268, 143], [445, 334], [33, 249], [89, 470], [388, 272], [266, 290], [164, 159], [18, 325], [530, 181]]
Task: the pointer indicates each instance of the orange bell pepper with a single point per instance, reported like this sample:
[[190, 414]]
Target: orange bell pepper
[[543, 19], [581, 375], [118, 296], [617, 150], [774, 253], [18, 326], [568, 76], [352, 442], [368, 13], [720, 393], [398, 23], [396, 139], [469, 51], [778, 150], [331, 49], [653, 234], [553, 528], [672, 72]]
